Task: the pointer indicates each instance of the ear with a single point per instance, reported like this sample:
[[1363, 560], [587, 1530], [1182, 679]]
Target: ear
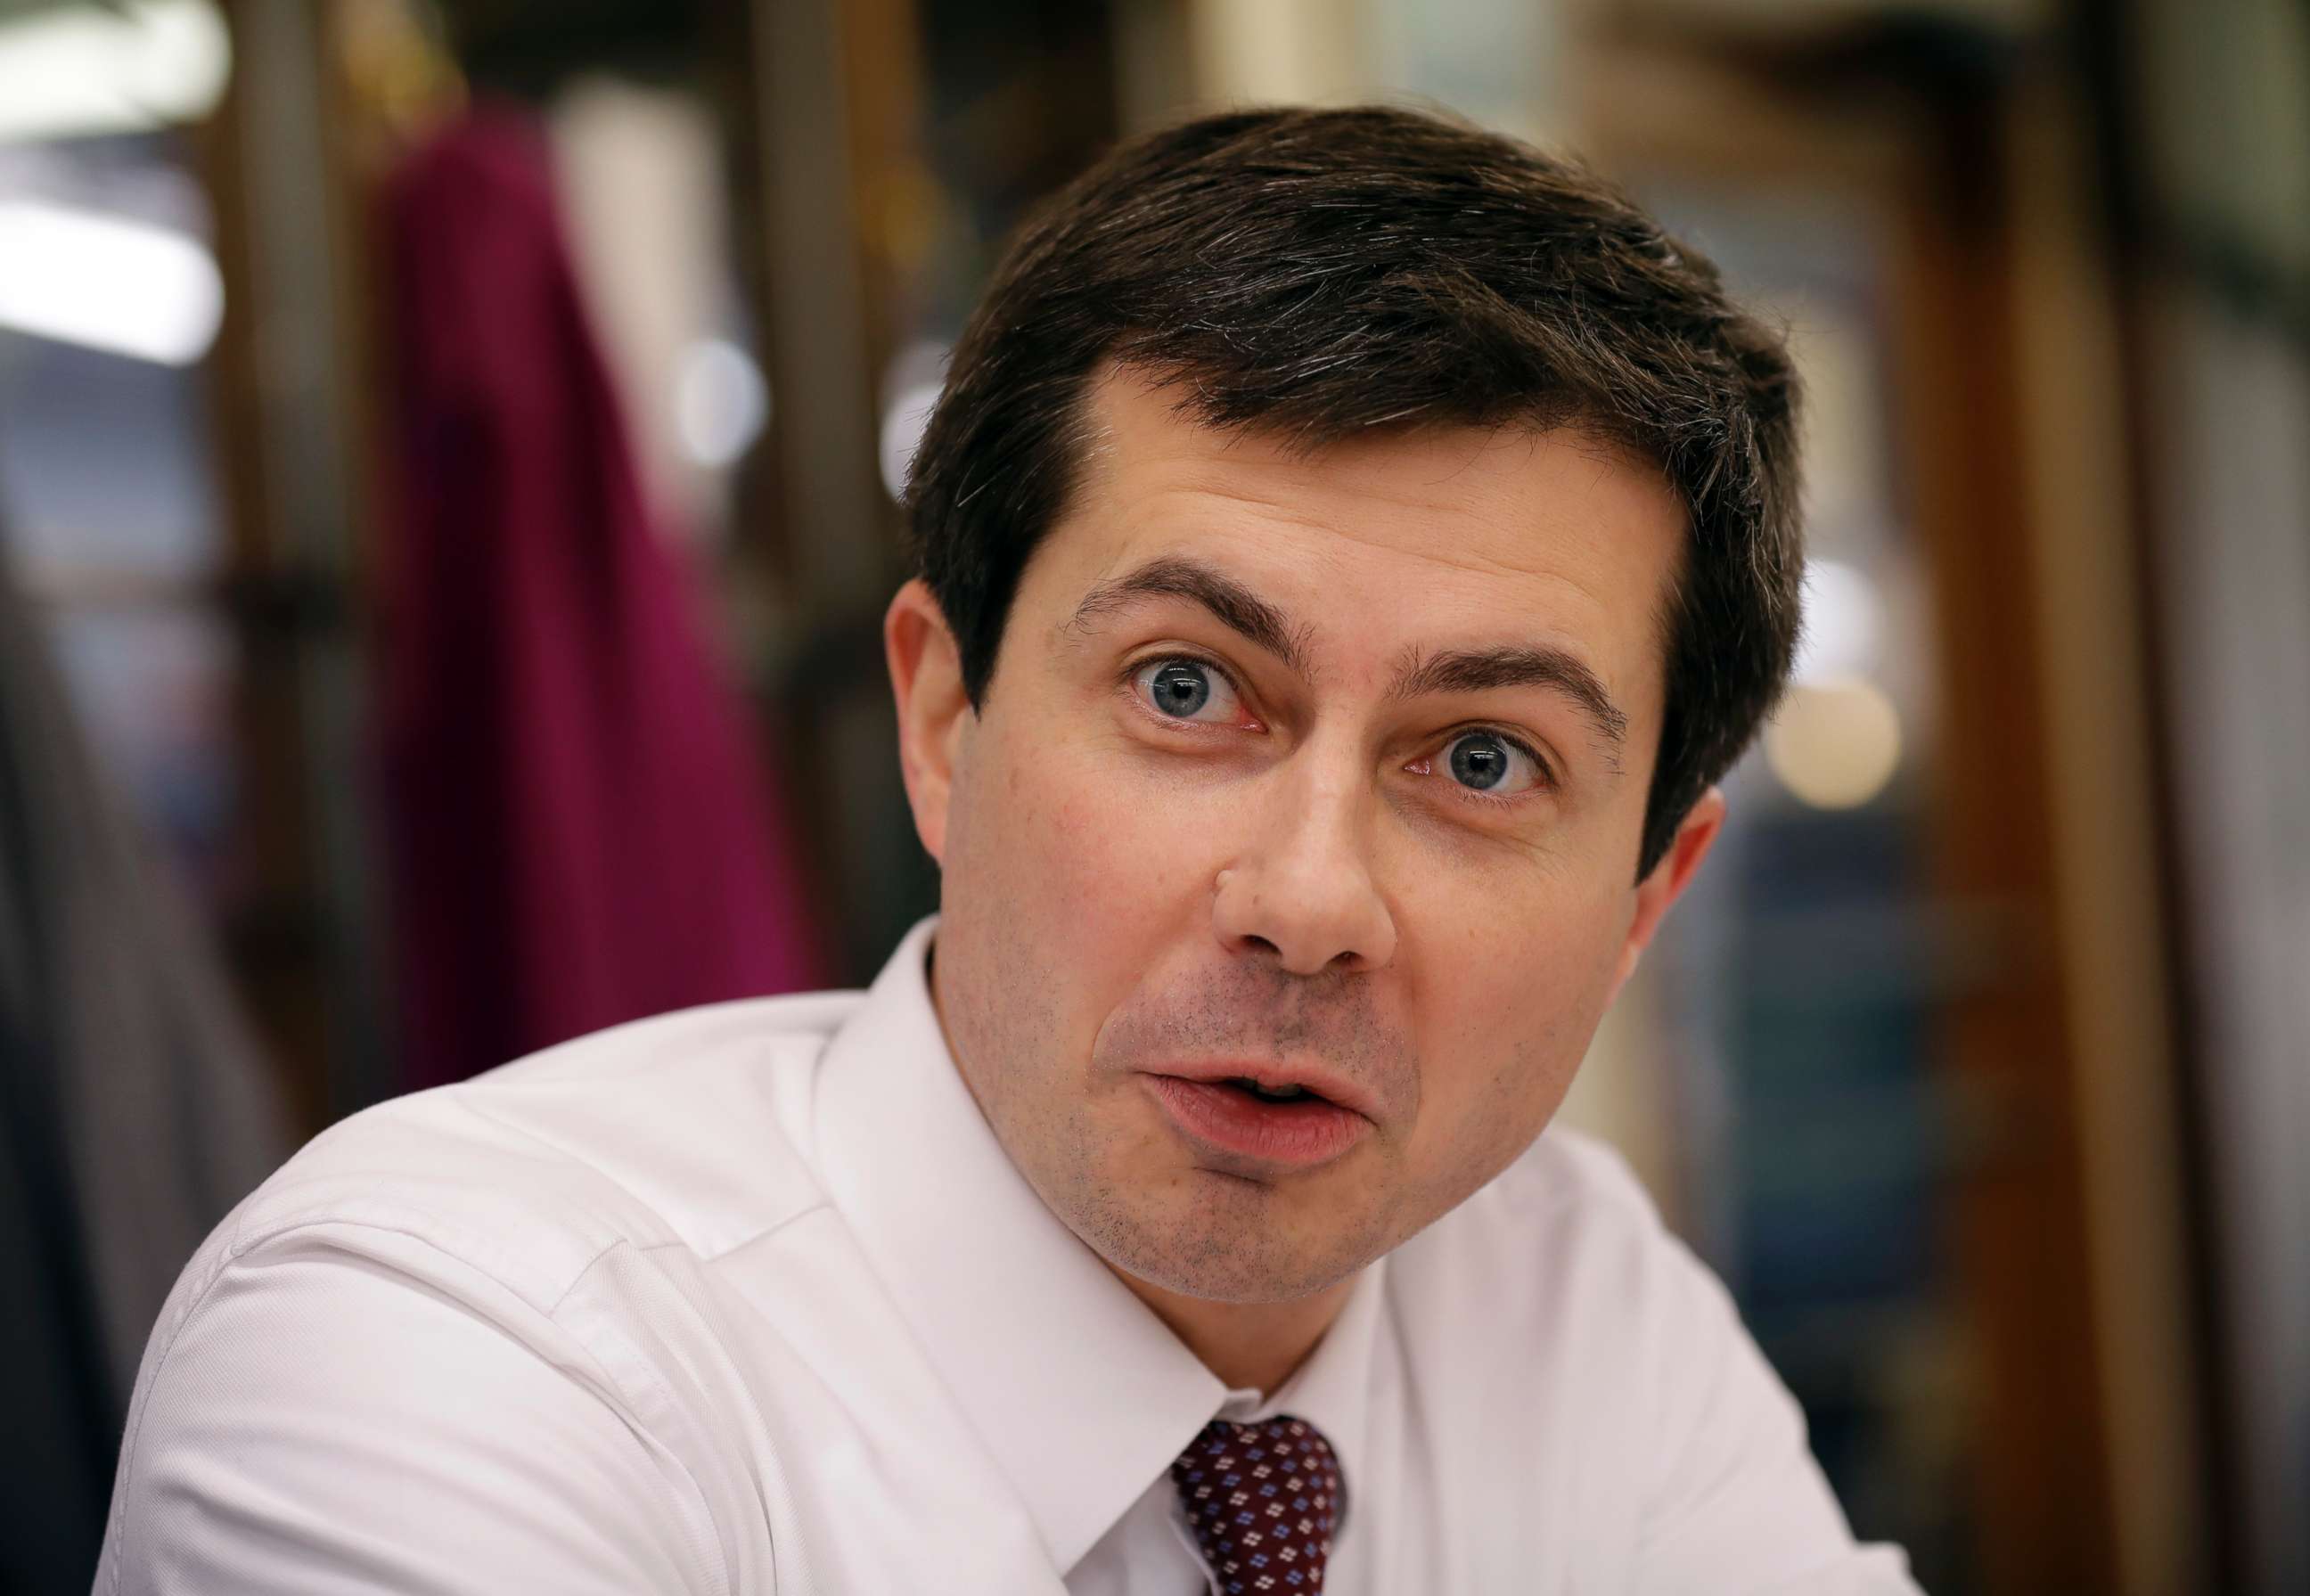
[[1669, 878], [933, 711]]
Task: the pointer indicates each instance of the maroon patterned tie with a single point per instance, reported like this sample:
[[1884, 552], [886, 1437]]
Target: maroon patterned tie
[[1262, 1499]]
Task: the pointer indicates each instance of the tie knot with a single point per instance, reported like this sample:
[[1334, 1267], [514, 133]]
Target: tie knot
[[1262, 1500]]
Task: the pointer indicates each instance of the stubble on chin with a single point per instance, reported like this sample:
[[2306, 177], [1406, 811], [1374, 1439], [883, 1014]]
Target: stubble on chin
[[1219, 1238]]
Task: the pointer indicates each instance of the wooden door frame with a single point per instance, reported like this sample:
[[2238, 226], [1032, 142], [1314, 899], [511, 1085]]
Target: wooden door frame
[[2071, 1261]]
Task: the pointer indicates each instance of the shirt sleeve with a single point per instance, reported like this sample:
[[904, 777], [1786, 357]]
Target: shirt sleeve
[[341, 1412], [1738, 1502]]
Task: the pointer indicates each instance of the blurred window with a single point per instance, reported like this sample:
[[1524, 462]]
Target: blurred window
[[110, 299]]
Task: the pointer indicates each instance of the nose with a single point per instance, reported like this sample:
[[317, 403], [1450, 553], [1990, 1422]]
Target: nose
[[1302, 885]]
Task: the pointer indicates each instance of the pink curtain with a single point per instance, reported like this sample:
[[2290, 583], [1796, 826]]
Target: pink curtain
[[581, 831]]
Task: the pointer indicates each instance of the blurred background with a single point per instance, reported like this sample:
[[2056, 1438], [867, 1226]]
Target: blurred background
[[448, 458]]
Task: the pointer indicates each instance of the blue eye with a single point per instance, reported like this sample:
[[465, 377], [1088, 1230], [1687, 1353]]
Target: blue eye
[[1184, 689], [1489, 763]]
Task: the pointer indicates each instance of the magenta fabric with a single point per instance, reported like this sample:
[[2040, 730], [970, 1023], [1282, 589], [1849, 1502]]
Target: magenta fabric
[[580, 828]]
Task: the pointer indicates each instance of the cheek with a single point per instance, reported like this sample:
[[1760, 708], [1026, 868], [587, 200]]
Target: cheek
[[1512, 1012], [1076, 851], [1069, 847]]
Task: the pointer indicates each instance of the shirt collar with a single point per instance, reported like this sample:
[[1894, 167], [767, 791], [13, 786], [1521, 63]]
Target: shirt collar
[[1081, 1393]]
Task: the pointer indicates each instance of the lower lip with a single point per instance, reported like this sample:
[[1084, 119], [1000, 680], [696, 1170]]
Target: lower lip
[[1306, 1132]]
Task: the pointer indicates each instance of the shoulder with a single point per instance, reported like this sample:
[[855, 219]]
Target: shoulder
[[414, 1298], [671, 1130], [424, 1274]]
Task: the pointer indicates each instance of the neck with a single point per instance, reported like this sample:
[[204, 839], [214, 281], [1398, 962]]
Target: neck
[[1257, 1345]]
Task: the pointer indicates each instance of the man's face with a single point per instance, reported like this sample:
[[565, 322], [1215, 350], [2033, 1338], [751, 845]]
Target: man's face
[[1318, 769]]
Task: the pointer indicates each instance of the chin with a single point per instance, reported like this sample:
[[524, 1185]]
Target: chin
[[1230, 1259], [1242, 1283]]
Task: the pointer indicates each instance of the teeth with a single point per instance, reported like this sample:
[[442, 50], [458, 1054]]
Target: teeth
[[1282, 1094]]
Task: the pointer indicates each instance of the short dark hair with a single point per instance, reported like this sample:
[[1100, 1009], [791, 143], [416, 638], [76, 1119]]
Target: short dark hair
[[1316, 274]]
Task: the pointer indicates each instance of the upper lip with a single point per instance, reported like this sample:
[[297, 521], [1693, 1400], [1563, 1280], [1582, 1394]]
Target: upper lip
[[1274, 1077]]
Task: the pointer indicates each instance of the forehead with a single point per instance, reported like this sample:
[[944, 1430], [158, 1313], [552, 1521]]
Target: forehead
[[1416, 538]]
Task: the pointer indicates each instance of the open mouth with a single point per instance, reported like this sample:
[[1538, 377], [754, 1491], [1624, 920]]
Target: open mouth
[[1272, 1094], [1277, 1124]]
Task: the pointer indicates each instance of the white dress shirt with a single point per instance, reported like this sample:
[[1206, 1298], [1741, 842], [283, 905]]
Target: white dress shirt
[[748, 1299]]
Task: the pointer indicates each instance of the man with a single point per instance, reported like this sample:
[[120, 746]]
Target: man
[[1352, 547]]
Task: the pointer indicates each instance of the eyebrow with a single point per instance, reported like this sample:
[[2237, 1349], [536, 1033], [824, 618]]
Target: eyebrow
[[1419, 672], [1231, 603], [1481, 670]]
